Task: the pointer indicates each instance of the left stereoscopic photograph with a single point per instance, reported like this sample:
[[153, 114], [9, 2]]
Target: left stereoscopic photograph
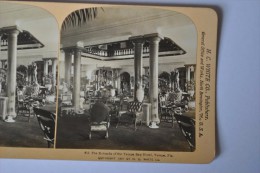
[[29, 40]]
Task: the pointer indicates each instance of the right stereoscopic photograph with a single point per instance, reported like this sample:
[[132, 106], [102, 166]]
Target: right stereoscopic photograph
[[127, 80]]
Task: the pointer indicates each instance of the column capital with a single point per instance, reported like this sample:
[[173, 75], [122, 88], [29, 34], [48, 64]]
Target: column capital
[[49, 58], [189, 65], [137, 39], [11, 30], [73, 49], [153, 37]]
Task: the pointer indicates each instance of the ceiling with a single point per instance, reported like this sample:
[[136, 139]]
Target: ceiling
[[111, 25], [38, 22], [118, 23], [114, 24]]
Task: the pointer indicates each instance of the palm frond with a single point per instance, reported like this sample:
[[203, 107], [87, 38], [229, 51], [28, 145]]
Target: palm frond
[[80, 17]]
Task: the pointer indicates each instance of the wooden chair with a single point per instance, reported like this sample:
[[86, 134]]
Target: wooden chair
[[46, 121]]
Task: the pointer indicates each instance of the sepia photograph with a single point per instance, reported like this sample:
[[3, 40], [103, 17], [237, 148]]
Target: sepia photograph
[[127, 80], [29, 40]]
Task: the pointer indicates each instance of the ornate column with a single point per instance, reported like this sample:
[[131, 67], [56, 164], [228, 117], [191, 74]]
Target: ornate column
[[54, 66], [45, 66], [114, 78], [187, 73], [154, 40], [76, 82], [138, 62], [118, 81], [97, 79], [67, 61], [11, 71]]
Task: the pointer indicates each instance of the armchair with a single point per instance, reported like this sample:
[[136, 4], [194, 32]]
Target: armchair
[[99, 119], [134, 113]]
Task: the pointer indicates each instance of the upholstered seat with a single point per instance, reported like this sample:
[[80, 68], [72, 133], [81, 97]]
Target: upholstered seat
[[133, 113], [99, 118]]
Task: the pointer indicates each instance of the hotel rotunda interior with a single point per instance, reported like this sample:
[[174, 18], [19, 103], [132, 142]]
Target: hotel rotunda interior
[[127, 80], [29, 38]]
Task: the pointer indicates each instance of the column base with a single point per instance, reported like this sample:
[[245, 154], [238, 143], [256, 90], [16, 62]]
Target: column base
[[154, 125], [79, 111], [9, 120]]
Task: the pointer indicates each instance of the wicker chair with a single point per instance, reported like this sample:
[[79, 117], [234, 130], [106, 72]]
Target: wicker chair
[[46, 121], [187, 126]]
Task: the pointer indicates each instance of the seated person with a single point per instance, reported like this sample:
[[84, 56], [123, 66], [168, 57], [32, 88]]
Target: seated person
[[99, 112]]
